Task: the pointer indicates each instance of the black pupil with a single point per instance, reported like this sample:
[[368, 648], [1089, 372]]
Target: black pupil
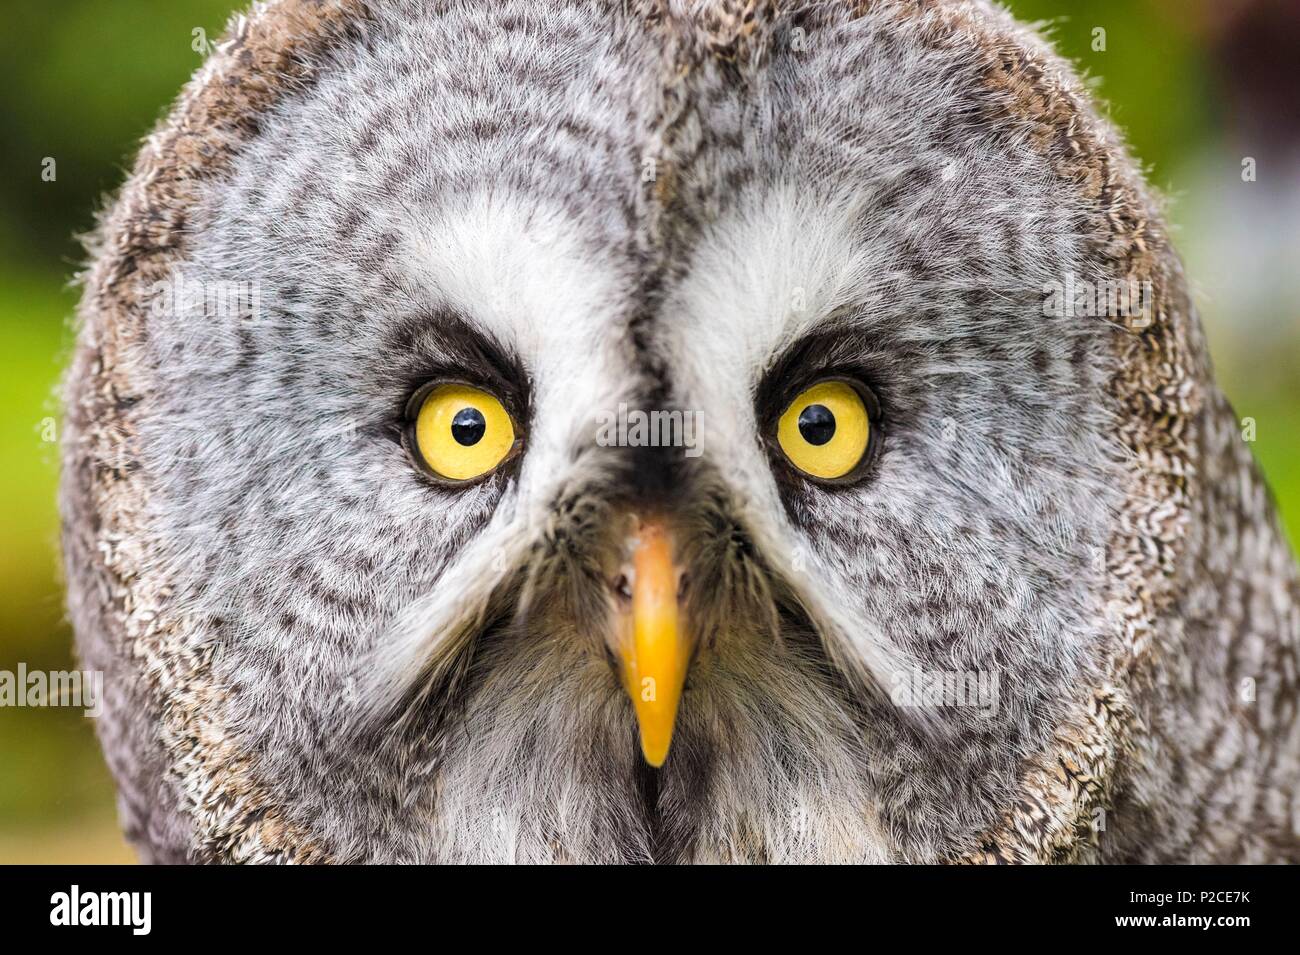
[[817, 424], [468, 426]]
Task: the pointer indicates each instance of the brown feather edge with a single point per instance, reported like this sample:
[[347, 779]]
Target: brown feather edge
[[265, 53], [1158, 393]]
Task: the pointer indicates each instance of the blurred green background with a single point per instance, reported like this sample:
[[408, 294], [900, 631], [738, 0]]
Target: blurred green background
[[1198, 85]]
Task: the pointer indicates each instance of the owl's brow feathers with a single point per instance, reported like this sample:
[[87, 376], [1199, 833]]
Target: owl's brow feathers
[[448, 346]]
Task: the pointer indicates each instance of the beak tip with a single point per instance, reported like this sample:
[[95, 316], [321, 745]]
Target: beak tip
[[656, 756], [654, 650]]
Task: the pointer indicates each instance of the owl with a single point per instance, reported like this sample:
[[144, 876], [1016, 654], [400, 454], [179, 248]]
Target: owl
[[664, 431]]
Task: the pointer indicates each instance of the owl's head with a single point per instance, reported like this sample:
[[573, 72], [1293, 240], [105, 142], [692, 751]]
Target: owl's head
[[622, 431]]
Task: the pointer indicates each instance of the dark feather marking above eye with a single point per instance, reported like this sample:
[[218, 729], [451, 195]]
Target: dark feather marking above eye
[[445, 345], [835, 347]]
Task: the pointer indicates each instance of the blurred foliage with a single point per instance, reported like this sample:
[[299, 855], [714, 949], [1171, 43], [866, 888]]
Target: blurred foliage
[[83, 81]]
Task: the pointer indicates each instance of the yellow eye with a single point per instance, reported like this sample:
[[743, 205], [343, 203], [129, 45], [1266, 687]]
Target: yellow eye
[[462, 432], [826, 430]]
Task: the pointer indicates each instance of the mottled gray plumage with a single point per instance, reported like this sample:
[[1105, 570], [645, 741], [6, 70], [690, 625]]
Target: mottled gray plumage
[[313, 654]]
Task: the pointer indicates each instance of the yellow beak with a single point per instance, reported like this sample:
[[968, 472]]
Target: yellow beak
[[654, 653]]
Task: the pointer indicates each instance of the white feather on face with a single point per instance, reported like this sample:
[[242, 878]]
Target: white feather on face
[[581, 206], [521, 276]]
